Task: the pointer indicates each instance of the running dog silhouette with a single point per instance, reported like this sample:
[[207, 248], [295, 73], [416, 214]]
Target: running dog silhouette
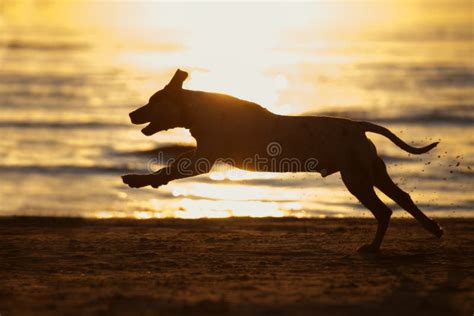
[[229, 128]]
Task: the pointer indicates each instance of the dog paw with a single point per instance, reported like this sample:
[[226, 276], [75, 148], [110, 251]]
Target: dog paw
[[437, 230], [369, 248], [157, 182], [136, 180]]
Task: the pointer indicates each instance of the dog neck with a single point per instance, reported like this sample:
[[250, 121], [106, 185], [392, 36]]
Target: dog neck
[[192, 104]]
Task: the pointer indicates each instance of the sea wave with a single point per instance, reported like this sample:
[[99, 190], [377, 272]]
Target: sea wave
[[168, 151], [458, 115], [61, 125], [43, 46], [65, 169]]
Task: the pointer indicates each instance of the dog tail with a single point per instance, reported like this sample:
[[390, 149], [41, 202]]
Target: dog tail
[[377, 129]]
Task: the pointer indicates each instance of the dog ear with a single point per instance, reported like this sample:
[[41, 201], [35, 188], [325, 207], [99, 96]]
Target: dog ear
[[178, 79]]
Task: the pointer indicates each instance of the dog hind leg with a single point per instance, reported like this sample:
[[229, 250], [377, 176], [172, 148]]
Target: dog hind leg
[[359, 184], [385, 184]]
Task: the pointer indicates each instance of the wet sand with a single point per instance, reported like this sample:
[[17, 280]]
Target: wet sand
[[60, 266]]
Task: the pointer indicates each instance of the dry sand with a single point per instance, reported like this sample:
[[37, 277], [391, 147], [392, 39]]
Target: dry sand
[[232, 266]]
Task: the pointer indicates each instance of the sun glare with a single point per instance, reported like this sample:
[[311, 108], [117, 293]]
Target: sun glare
[[79, 67]]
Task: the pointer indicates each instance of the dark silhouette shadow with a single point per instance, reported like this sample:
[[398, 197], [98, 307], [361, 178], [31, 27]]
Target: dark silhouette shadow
[[248, 136]]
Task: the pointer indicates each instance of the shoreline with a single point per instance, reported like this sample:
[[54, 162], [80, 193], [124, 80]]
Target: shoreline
[[232, 266]]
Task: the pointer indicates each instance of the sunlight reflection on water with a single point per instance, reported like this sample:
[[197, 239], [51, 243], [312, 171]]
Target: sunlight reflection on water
[[70, 72]]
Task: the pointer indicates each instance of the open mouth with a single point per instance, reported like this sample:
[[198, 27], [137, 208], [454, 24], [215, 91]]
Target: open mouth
[[150, 129], [139, 117]]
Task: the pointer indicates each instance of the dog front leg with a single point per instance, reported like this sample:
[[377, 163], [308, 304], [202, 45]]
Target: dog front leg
[[138, 180], [182, 168], [185, 166]]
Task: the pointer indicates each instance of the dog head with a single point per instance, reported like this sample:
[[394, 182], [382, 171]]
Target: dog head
[[165, 109]]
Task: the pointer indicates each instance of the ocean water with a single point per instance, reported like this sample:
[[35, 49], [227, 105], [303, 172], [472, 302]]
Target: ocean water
[[70, 72]]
